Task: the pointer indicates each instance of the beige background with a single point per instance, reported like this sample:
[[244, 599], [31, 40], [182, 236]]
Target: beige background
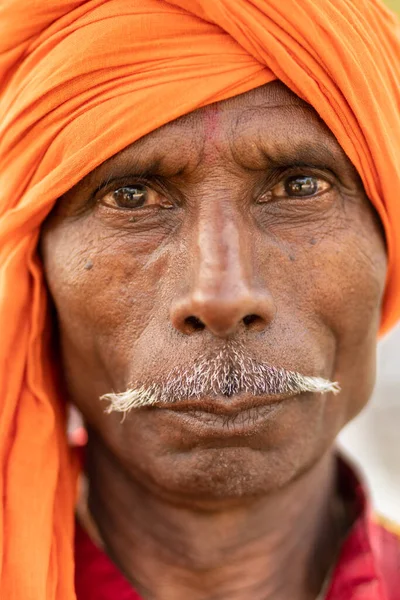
[[395, 4], [373, 439]]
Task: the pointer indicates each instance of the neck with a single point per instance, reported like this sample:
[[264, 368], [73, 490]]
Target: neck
[[273, 548]]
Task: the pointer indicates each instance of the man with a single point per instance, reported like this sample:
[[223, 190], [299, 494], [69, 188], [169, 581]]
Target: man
[[221, 249]]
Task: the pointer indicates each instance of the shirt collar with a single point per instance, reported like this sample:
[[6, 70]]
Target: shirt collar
[[368, 567]]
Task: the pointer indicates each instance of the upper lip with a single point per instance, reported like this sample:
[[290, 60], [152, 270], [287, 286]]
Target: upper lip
[[226, 405]]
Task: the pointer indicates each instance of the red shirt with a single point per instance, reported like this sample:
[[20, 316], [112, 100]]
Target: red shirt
[[368, 567]]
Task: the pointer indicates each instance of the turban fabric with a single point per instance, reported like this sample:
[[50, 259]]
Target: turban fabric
[[81, 80]]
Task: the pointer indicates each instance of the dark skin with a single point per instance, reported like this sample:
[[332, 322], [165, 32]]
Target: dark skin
[[243, 222]]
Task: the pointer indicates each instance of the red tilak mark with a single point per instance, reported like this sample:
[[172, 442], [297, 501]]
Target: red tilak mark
[[211, 123]]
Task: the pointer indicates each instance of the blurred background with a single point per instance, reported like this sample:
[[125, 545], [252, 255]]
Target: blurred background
[[373, 439]]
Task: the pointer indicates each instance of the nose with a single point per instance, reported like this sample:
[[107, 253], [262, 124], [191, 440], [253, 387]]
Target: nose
[[223, 297]]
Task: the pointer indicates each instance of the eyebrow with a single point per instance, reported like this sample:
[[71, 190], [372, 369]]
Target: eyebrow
[[120, 167], [302, 155], [145, 158], [317, 147], [307, 154], [326, 155]]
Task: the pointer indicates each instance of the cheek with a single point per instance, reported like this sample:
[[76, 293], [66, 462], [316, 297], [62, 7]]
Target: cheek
[[105, 296], [347, 279], [327, 278]]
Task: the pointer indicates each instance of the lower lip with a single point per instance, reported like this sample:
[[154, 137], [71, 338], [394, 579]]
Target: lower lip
[[246, 422]]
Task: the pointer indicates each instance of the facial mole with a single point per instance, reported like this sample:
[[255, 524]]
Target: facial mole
[[89, 265], [292, 257], [313, 241]]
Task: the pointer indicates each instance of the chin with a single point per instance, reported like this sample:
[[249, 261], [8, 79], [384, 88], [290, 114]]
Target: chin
[[215, 477]]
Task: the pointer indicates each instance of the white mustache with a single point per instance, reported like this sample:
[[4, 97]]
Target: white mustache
[[227, 373]]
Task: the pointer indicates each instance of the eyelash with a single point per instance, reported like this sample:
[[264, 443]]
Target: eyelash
[[114, 184], [282, 175]]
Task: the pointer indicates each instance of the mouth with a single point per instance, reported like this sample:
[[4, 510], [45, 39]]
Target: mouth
[[220, 417], [226, 406]]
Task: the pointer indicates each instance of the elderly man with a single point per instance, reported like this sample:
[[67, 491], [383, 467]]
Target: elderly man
[[209, 191]]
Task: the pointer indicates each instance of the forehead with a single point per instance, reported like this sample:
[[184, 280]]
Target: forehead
[[270, 118]]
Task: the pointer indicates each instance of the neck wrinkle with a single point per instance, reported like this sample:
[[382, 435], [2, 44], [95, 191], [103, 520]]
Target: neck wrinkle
[[271, 548]]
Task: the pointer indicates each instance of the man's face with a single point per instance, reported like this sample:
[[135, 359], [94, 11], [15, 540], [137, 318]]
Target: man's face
[[241, 228]]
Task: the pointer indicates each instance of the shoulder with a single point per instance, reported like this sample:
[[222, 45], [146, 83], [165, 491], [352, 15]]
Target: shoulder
[[385, 539]]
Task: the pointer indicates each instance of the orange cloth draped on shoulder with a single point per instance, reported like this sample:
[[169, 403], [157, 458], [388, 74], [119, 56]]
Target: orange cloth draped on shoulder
[[81, 80]]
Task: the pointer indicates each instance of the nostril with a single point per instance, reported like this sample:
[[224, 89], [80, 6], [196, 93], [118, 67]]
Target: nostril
[[253, 321], [193, 324]]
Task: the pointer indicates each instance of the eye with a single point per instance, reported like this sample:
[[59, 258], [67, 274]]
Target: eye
[[131, 197], [297, 186]]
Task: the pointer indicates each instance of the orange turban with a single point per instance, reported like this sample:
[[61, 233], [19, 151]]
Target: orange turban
[[79, 81]]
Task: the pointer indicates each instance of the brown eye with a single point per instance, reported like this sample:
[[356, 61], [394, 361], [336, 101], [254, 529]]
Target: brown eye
[[301, 187], [130, 197], [135, 196], [297, 186]]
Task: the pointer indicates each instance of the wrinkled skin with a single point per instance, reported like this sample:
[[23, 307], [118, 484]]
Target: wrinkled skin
[[222, 251]]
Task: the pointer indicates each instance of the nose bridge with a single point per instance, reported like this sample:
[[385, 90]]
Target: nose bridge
[[222, 255], [222, 294]]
